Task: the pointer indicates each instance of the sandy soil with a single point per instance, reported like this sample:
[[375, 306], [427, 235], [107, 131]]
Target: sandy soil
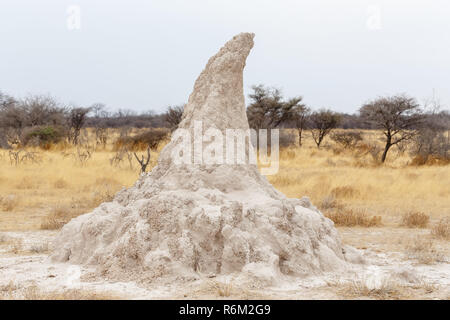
[[389, 272]]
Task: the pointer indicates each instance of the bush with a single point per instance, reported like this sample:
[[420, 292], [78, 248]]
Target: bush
[[430, 160], [442, 229], [344, 192], [430, 147], [423, 250], [415, 219], [351, 218], [287, 139], [59, 216], [347, 139], [43, 136], [151, 138]]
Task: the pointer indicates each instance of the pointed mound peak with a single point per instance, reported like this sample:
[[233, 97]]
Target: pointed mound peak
[[218, 95]]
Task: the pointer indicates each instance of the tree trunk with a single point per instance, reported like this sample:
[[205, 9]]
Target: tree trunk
[[386, 149], [299, 136]]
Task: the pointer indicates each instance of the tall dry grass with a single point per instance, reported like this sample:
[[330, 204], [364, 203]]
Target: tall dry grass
[[49, 193]]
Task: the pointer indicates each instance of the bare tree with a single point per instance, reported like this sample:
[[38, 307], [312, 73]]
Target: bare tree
[[43, 110], [398, 116], [144, 161], [300, 114], [430, 141], [33, 111], [322, 122], [77, 119], [173, 116]]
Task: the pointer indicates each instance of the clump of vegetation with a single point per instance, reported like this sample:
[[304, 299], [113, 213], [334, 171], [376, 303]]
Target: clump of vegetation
[[431, 144], [42, 136], [224, 289], [423, 250], [173, 116], [370, 148], [387, 289], [347, 139], [60, 184], [9, 202], [352, 218], [441, 230], [59, 216], [16, 246], [40, 248], [287, 139], [151, 138], [415, 220], [13, 291], [344, 192], [430, 160], [330, 202]]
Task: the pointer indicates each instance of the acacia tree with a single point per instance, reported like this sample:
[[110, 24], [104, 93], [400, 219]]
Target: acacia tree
[[300, 114], [266, 109], [173, 116], [322, 122], [398, 116]]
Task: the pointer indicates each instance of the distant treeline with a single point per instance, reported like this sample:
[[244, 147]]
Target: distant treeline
[[43, 110], [41, 120]]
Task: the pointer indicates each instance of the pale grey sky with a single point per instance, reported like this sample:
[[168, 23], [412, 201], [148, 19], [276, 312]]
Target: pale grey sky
[[146, 55]]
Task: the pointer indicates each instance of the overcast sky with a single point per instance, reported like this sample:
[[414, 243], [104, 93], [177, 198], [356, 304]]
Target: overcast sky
[[146, 55]]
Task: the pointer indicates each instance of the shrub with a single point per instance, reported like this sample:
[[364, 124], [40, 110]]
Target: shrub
[[287, 139], [330, 202], [423, 250], [344, 192], [151, 138], [43, 137], [8, 203], [431, 146], [351, 218], [347, 139], [59, 216], [442, 229], [372, 149], [415, 219], [421, 160], [60, 184]]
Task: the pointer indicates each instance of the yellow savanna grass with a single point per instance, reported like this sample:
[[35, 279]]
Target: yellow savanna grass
[[33, 195]]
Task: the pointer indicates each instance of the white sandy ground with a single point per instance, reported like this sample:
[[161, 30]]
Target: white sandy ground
[[381, 270]]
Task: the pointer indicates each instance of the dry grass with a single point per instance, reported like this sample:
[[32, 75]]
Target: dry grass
[[415, 220], [16, 246], [346, 192], [386, 289], [423, 250], [223, 289], [40, 248], [349, 180], [59, 216], [441, 230], [353, 217], [14, 292], [60, 184], [9, 203]]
